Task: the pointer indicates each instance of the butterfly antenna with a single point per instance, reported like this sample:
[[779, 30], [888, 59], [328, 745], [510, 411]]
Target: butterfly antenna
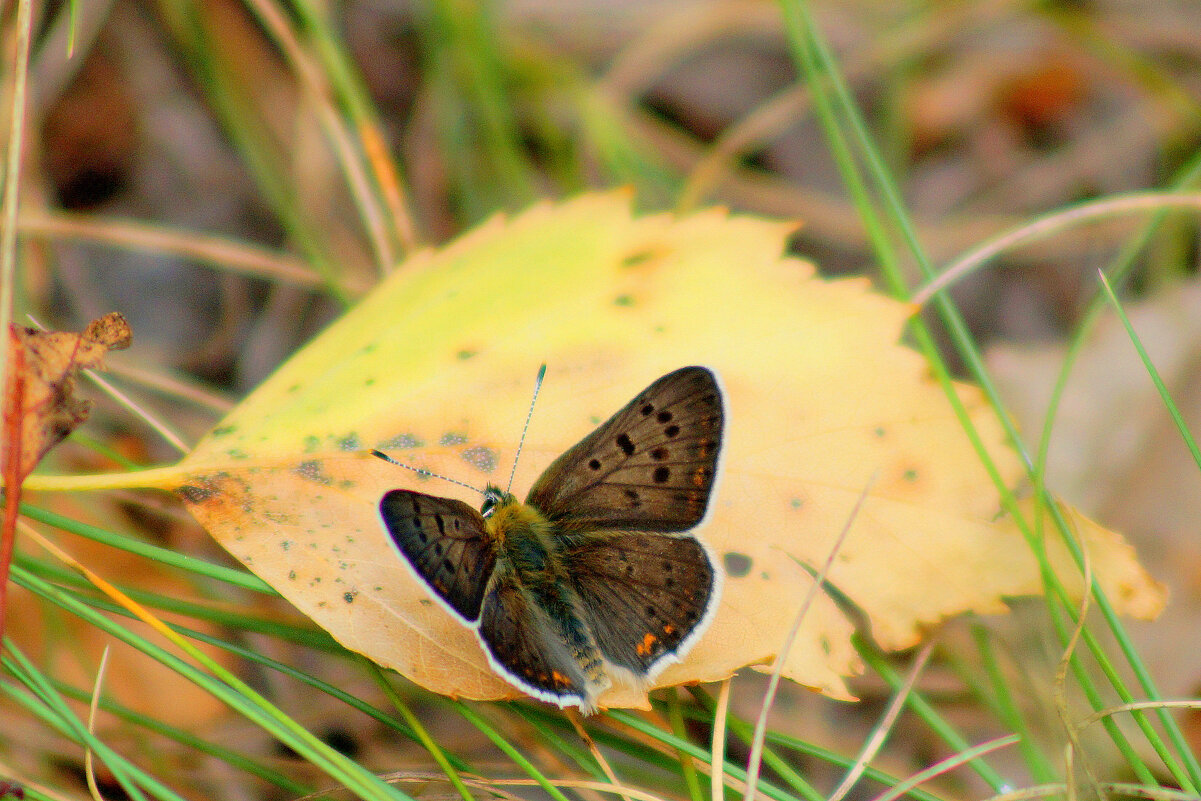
[[423, 472], [529, 416]]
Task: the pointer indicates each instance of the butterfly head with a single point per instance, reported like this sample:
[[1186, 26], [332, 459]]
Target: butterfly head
[[515, 527], [494, 498]]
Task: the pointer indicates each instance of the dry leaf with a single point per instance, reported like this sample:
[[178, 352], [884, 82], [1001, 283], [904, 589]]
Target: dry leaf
[[436, 367], [42, 368]]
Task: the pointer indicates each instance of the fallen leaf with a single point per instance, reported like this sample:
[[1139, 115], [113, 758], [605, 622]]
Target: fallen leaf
[[45, 364], [436, 367]]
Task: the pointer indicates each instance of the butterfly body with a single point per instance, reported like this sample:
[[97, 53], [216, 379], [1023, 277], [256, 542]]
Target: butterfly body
[[531, 575], [594, 576]]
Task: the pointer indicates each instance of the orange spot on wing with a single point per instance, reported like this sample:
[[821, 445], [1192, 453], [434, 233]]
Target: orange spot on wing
[[669, 629], [648, 642], [559, 679]]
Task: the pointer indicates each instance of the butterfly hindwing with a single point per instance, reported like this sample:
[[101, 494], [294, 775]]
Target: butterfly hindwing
[[446, 542], [650, 467], [642, 594], [523, 642]]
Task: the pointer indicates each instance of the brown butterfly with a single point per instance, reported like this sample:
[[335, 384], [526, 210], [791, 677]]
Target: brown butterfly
[[595, 575]]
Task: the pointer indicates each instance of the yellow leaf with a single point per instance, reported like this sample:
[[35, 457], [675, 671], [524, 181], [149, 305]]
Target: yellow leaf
[[436, 367]]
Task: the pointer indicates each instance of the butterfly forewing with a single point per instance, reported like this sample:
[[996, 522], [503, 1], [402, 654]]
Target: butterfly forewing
[[446, 542], [642, 594], [650, 467]]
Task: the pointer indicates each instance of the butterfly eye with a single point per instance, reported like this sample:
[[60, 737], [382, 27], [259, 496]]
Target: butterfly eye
[[493, 497]]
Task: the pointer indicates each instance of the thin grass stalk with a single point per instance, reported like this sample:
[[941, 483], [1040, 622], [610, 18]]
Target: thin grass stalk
[[1006, 709]]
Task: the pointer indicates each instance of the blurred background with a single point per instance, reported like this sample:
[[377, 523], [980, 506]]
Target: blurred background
[[191, 116], [231, 176]]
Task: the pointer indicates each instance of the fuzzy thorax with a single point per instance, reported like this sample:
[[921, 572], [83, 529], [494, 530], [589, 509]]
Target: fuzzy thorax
[[509, 517]]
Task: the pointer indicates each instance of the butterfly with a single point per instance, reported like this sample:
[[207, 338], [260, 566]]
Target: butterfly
[[594, 576]]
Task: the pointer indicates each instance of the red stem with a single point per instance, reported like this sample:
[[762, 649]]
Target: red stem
[[14, 414]]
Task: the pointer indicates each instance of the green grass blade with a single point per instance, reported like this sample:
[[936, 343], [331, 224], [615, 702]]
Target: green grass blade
[[232, 692], [418, 731], [513, 753], [164, 556], [234, 759]]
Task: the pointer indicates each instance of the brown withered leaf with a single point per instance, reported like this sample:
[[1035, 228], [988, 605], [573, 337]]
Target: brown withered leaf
[[42, 366]]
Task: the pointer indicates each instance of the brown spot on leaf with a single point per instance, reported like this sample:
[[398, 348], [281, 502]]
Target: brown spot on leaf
[[196, 494]]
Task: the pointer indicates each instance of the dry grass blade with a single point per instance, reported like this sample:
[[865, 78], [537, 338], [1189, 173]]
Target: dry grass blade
[[93, 708], [945, 766], [12, 168], [717, 748], [1051, 224], [573, 716], [881, 731], [216, 251]]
